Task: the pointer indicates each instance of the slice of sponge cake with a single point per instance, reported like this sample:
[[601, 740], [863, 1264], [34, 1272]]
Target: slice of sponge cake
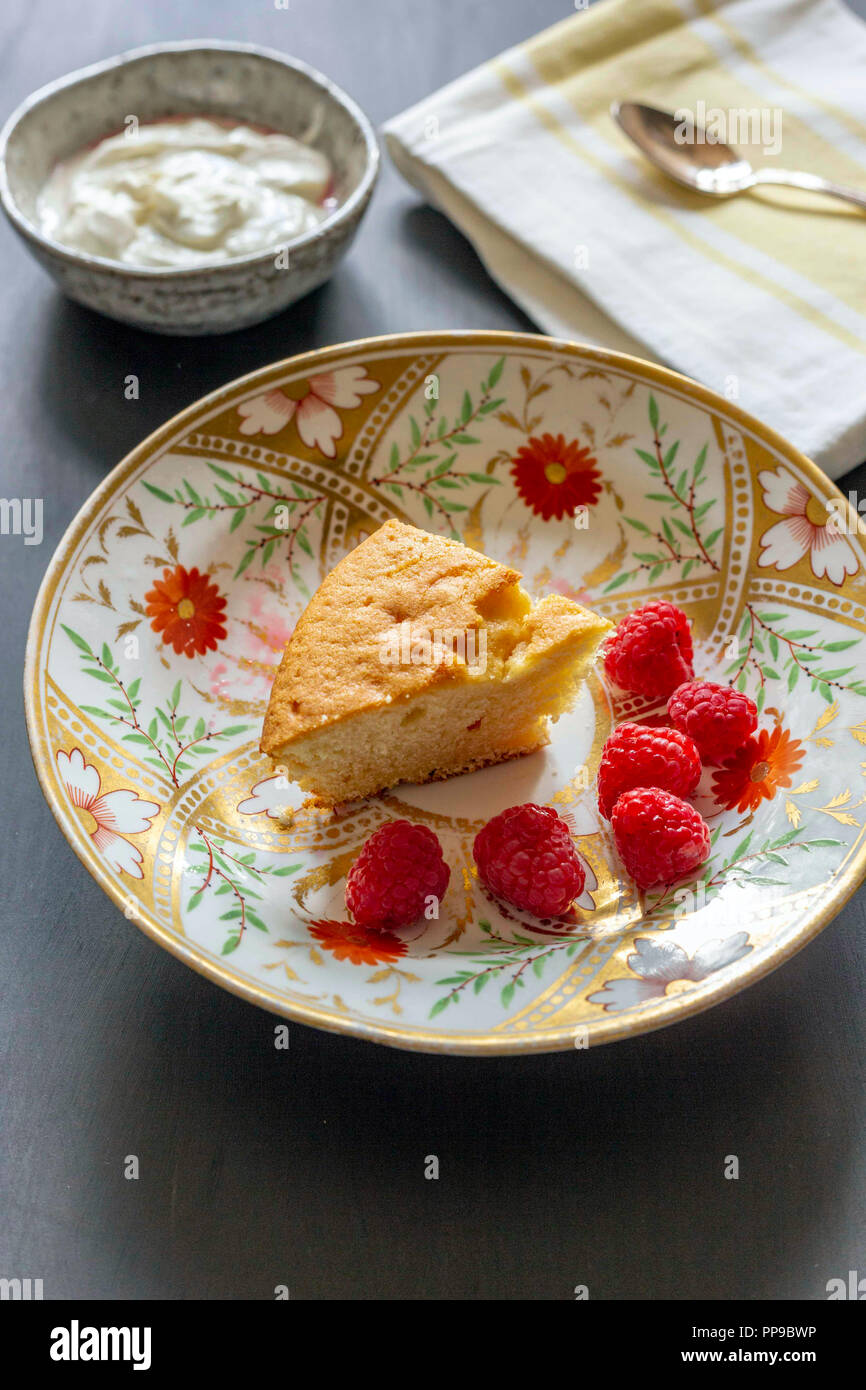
[[418, 658]]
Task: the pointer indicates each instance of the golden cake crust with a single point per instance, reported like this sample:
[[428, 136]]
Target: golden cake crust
[[332, 667]]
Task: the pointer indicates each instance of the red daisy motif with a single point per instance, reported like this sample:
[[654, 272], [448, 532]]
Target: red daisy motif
[[555, 476], [188, 610], [757, 771], [360, 945]]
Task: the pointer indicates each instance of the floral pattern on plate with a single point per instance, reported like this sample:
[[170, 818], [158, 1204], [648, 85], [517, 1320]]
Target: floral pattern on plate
[[163, 616]]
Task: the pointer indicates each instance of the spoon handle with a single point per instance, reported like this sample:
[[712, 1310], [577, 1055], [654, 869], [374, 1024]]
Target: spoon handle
[[812, 182]]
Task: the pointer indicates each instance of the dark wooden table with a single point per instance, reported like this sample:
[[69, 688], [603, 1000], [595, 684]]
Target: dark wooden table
[[306, 1167]]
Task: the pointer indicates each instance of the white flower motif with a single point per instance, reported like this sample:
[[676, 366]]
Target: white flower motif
[[266, 414], [807, 528], [316, 416], [105, 814], [657, 963], [272, 797]]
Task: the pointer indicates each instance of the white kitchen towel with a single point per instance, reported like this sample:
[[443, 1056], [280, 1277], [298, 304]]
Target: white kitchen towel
[[763, 296]]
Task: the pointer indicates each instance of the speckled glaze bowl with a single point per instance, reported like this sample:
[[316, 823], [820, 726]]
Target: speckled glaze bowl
[[241, 81]]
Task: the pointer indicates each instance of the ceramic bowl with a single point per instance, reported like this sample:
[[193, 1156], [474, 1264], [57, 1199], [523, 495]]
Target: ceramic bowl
[[241, 81]]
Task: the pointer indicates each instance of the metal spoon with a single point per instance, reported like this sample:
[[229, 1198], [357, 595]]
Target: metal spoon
[[715, 169]]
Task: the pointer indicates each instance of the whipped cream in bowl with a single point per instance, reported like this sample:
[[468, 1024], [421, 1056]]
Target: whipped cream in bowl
[[186, 191], [191, 187]]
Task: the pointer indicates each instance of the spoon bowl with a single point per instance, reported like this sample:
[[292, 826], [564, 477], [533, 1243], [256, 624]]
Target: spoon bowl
[[683, 149], [678, 146]]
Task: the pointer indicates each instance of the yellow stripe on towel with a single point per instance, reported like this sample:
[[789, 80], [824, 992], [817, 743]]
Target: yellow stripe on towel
[[651, 53], [517, 89]]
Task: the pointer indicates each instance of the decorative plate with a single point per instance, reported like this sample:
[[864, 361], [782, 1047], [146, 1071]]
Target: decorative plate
[[163, 615]]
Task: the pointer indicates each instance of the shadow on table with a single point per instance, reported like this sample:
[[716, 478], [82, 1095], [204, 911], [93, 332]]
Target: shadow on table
[[437, 240], [306, 1167], [88, 360]]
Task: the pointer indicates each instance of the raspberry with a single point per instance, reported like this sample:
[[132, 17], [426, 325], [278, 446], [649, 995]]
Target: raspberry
[[637, 756], [718, 718], [526, 856], [659, 837], [398, 869], [650, 653]]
